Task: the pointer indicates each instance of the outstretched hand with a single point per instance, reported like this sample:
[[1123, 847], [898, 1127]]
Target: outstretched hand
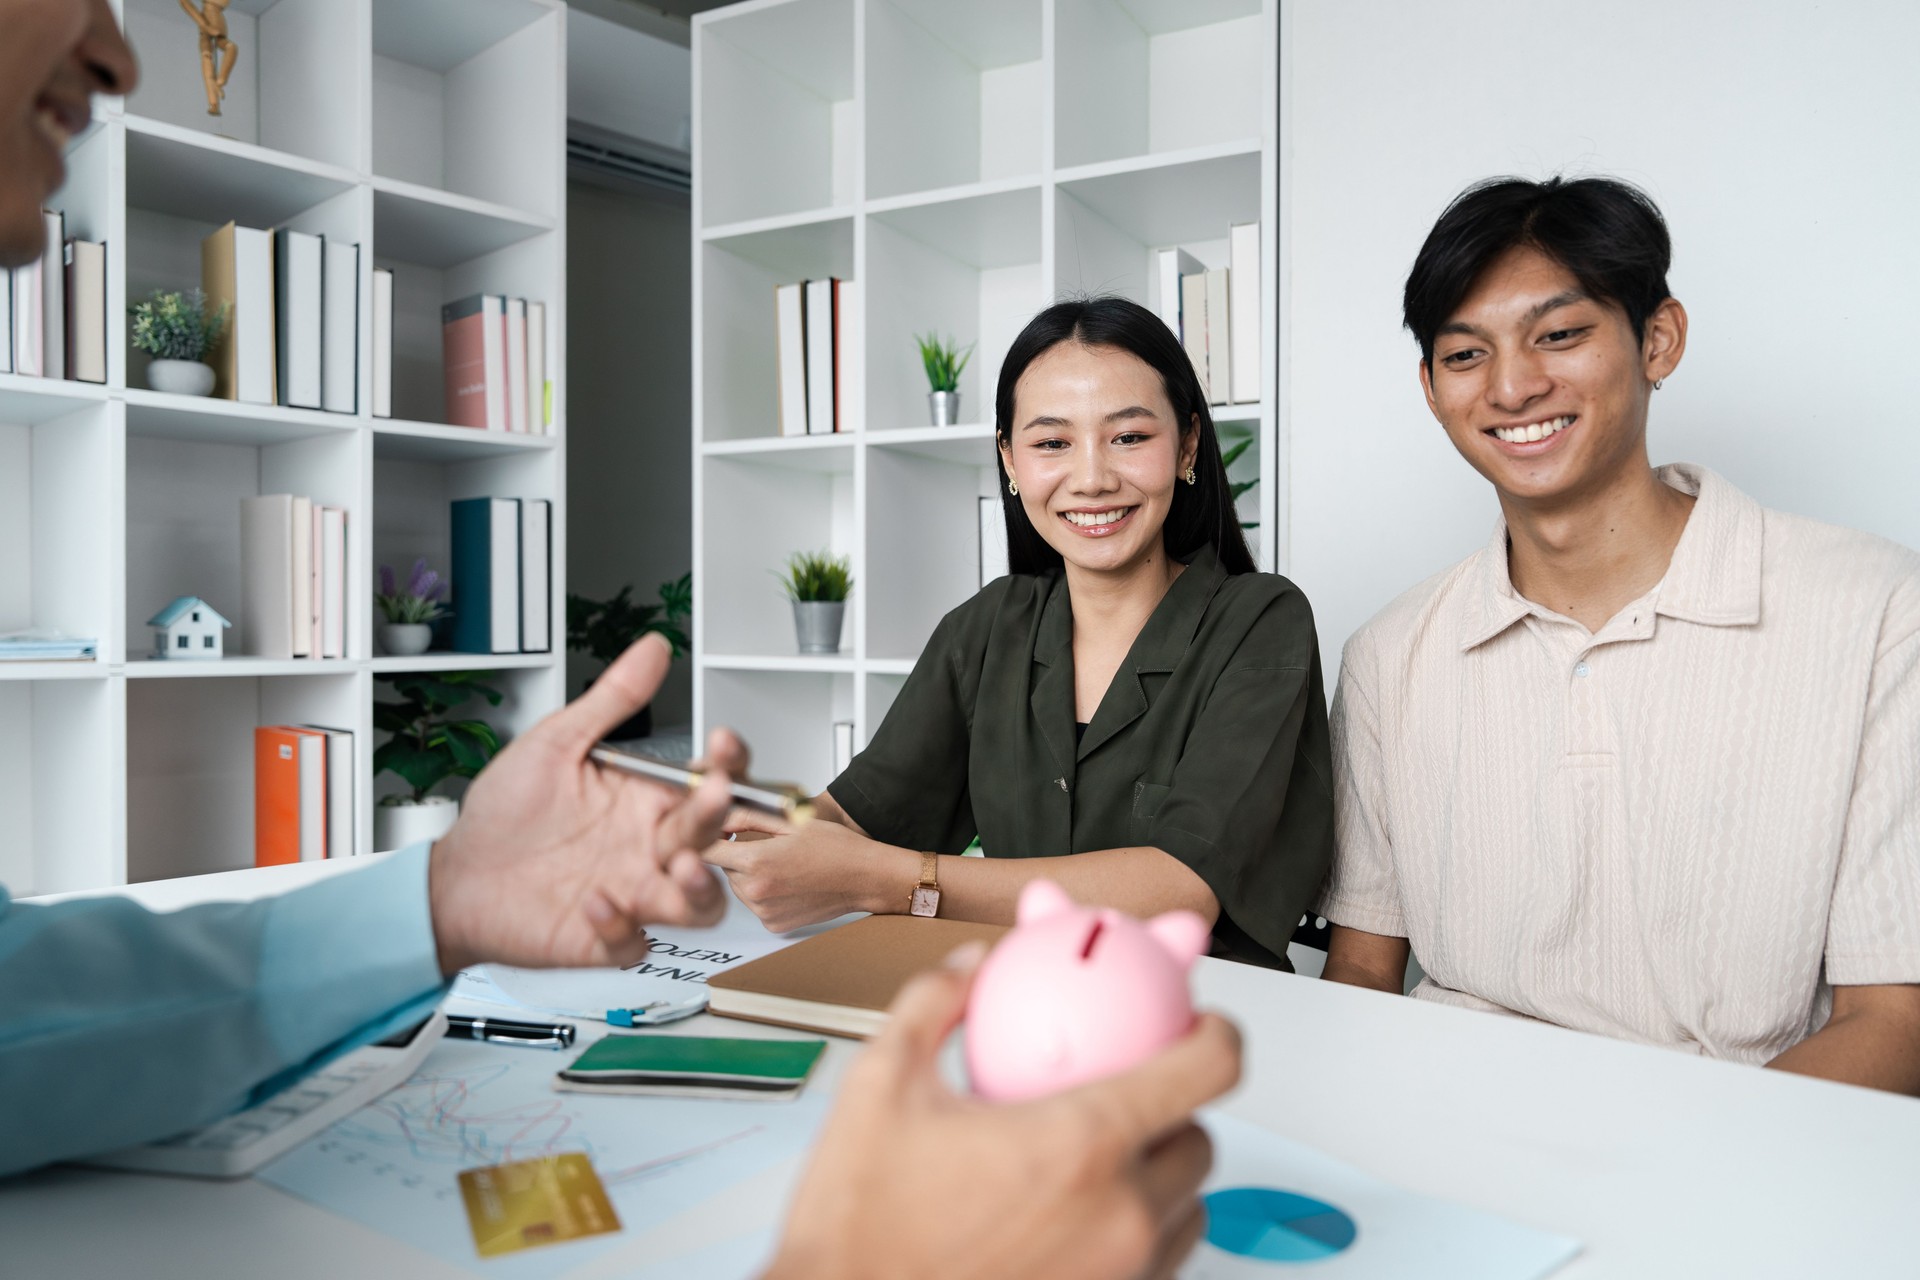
[[912, 1179], [558, 862]]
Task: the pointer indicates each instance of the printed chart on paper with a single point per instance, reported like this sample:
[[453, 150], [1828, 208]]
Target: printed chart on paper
[[393, 1166]]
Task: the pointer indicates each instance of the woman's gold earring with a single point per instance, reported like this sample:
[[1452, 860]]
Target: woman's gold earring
[[1013, 486], [1192, 478]]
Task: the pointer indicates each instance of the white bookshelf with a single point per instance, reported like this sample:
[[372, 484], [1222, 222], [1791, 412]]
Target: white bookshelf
[[431, 133], [963, 165]]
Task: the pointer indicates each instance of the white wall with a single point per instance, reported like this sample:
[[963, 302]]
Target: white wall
[[629, 82], [1780, 140]]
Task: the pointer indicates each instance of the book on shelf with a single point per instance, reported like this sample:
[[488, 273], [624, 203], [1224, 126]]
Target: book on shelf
[[813, 328], [236, 271], [1219, 339], [536, 587], [382, 343], [473, 341], [302, 794], [842, 746], [516, 340], [486, 575], [289, 795], [1215, 312], [1193, 325], [539, 413], [790, 327], [1243, 311], [340, 328], [1169, 266], [820, 356], [53, 296], [297, 303], [86, 285], [293, 569], [43, 644], [27, 320], [339, 788]]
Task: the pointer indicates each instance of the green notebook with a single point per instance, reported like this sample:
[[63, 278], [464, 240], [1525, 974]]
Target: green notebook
[[693, 1066]]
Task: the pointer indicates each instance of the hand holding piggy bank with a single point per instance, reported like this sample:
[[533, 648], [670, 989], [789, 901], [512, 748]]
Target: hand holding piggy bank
[[1074, 993]]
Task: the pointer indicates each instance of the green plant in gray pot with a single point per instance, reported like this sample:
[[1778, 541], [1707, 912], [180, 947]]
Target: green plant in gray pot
[[177, 330], [943, 361], [818, 582]]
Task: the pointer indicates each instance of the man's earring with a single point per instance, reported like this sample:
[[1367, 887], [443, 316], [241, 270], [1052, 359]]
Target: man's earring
[[1013, 486], [1192, 478], [1659, 383]]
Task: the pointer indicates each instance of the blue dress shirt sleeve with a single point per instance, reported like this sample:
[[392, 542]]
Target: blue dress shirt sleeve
[[120, 1025]]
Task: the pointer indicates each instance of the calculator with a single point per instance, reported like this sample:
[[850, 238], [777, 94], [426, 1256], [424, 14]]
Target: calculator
[[235, 1145]]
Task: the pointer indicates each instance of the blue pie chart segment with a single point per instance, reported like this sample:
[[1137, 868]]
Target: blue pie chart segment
[[1276, 1226]]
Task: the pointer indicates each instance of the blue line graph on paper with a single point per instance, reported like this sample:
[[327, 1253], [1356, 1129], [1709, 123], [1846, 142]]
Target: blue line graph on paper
[[393, 1165]]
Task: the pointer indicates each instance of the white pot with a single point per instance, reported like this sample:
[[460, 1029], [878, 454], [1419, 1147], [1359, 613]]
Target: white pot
[[404, 639], [181, 377], [395, 826]]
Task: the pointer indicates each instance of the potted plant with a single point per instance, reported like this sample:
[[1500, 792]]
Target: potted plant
[[1237, 488], [410, 613], [176, 329], [943, 362], [604, 628], [818, 582], [427, 748]]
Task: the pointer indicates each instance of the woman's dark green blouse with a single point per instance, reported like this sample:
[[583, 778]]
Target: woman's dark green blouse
[[1210, 744]]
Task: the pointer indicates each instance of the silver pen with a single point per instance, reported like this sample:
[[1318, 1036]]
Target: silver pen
[[779, 799]]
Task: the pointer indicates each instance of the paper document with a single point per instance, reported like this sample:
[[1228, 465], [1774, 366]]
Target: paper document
[[1273, 1204], [394, 1166], [676, 971]]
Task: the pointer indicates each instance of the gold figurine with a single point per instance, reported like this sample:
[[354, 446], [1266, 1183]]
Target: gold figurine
[[217, 50]]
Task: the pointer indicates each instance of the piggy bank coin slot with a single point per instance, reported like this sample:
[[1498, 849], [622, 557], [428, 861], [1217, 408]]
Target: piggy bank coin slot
[[1093, 936]]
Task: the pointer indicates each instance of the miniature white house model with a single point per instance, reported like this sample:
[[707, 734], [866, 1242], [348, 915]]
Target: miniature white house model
[[188, 628]]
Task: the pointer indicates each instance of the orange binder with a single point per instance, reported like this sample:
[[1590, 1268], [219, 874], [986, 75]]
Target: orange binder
[[276, 796]]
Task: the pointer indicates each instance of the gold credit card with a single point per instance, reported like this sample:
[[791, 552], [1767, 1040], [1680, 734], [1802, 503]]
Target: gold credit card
[[534, 1202]]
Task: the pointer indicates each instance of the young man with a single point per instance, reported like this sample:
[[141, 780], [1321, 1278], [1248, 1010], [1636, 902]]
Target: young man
[[1648, 764], [552, 863]]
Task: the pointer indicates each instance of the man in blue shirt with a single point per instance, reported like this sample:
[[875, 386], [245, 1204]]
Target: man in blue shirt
[[553, 862]]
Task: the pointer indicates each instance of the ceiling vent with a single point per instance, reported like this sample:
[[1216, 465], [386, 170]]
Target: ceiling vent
[[624, 163]]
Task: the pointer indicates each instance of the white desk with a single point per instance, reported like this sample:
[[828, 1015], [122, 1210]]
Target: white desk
[[1665, 1165]]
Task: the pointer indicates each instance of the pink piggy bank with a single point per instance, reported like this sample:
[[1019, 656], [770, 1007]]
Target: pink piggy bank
[[1075, 993]]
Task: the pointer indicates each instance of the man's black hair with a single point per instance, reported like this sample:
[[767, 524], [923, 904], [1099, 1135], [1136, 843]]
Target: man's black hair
[[1607, 233]]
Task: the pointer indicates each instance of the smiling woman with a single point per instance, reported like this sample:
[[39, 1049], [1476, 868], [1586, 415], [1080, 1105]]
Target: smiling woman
[[1133, 712]]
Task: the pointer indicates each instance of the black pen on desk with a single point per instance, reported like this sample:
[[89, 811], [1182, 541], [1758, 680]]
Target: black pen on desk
[[528, 1035], [779, 800]]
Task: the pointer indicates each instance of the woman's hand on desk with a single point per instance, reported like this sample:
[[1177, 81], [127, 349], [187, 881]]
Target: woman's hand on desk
[[792, 877], [912, 1179], [556, 861]]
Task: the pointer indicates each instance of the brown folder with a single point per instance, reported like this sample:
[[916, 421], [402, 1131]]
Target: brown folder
[[841, 981]]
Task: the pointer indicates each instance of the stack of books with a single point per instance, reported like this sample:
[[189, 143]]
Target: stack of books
[[502, 575], [1216, 314], [292, 335], [45, 645], [814, 324], [293, 578], [53, 313], [495, 354], [302, 794]]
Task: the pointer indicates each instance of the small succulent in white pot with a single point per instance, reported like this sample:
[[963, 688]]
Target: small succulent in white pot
[[177, 330]]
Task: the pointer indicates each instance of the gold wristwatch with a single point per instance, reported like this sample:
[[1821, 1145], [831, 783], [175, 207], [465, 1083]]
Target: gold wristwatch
[[925, 899]]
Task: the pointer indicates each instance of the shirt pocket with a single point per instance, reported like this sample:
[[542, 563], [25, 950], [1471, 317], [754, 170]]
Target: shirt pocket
[[1147, 799]]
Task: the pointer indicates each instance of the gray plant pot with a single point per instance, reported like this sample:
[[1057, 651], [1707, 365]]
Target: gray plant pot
[[817, 622], [404, 639], [180, 377], [943, 408]]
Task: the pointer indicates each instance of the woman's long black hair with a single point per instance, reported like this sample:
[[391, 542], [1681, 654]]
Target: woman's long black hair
[[1202, 513]]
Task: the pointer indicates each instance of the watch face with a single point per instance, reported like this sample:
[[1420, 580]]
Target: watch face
[[926, 901]]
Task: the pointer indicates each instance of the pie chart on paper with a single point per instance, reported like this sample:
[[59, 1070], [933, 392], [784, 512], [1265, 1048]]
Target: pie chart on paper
[[1266, 1225]]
